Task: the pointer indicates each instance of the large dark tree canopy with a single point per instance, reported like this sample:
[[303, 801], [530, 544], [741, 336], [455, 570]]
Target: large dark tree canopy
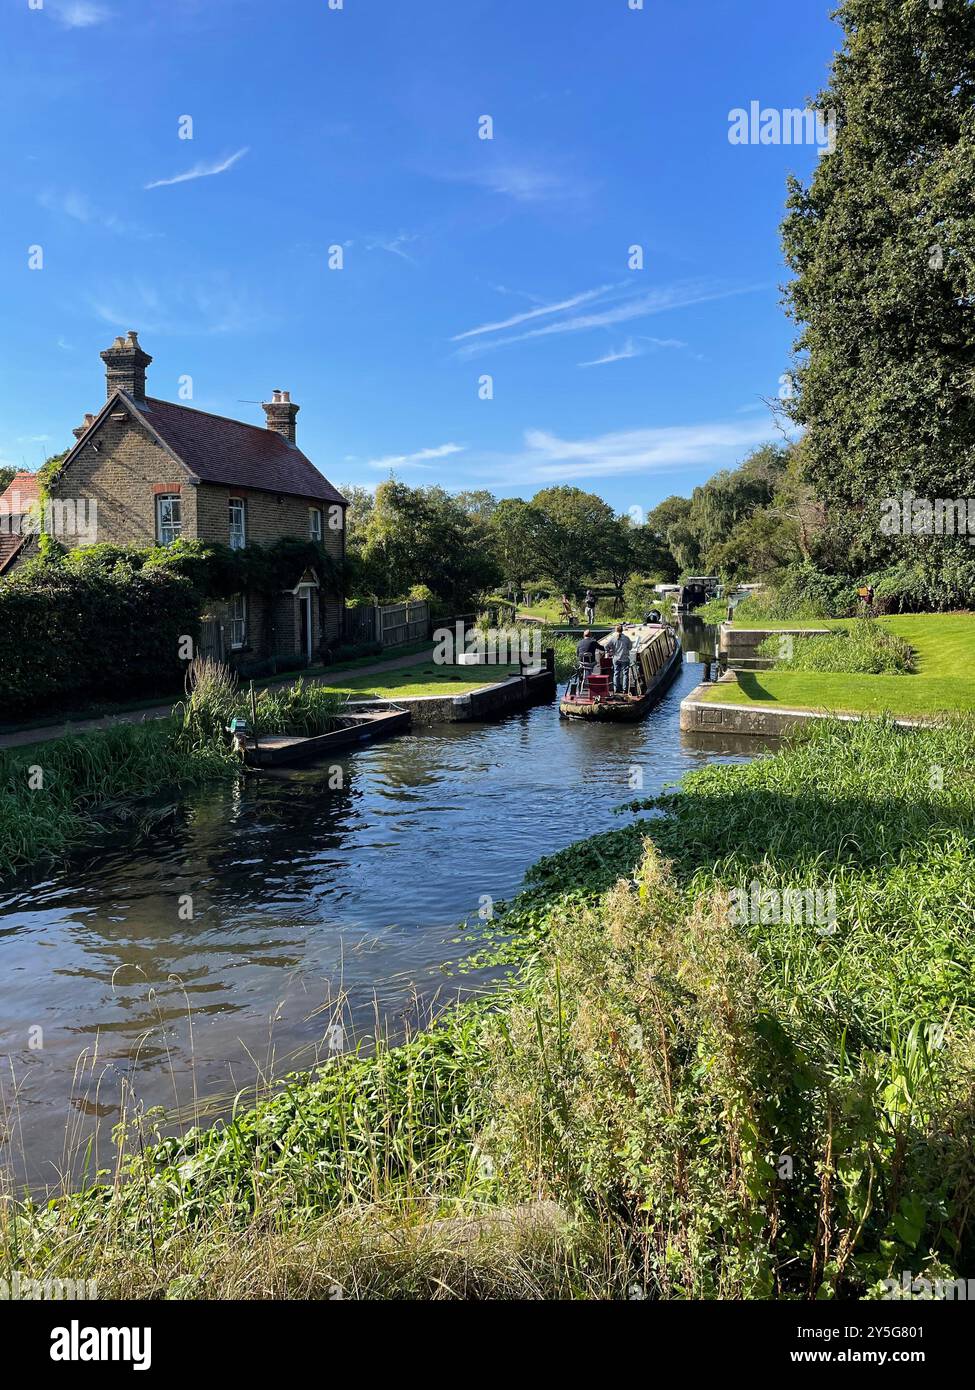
[[882, 244]]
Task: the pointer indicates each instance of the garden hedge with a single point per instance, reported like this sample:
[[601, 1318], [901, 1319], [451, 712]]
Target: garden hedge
[[72, 634]]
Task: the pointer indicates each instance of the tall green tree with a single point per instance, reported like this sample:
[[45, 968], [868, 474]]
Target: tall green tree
[[574, 527], [618, 554], [422, 536], [514, 537], [882, 246], [361, 501], [477, 502], [668, 524]]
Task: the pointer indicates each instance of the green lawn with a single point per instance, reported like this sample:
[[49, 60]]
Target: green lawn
[[426, 679], [944, 681]]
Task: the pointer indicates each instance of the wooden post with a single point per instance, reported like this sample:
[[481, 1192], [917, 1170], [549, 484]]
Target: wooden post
[[254, 716]]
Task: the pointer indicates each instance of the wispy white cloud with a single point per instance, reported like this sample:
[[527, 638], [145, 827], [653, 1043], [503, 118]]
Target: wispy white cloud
[[394, 245], [629, 349], [420, 459], [80, 208], [548, 458], [79, 14], [635, 347], [638, 451], [659, 301], [207, 305], [523, 182], [201, 170], [573, 302]]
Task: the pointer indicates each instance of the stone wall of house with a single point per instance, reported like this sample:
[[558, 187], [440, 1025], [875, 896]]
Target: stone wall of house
[[269, 517], [123, 478], [274, 624]]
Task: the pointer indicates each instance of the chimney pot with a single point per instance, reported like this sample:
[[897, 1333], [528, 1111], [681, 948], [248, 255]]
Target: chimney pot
[[281, 413], [125, 366]]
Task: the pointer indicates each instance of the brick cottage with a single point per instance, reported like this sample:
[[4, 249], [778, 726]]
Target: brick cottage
[[158, 472]]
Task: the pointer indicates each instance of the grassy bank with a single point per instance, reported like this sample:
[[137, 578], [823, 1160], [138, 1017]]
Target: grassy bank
[[672, 1095], [942, 679], [425, 678], [55, 796]]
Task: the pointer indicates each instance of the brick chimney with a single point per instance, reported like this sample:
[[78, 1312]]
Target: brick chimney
[[125, 367], [83, 428], [281, 414]]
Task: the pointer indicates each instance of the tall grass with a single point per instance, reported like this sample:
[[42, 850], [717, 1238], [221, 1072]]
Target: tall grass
[[863, 648], [55, 795], [214, 698]]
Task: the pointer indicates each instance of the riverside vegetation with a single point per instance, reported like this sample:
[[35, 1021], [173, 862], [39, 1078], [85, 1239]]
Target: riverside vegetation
[[660, 1102], [55, 796]]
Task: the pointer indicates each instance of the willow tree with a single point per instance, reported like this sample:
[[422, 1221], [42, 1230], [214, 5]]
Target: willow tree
[[882, 245]]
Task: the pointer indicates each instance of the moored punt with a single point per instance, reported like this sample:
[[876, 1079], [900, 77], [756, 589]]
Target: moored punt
[[278, 750], [655, 660]]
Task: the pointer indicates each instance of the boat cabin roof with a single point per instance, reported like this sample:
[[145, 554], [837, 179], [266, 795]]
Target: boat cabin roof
[[640, 634]]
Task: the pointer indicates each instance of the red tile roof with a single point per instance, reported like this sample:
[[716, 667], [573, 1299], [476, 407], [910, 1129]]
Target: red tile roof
[[24, 484], [9, 545], [219, 450], [22, 490]]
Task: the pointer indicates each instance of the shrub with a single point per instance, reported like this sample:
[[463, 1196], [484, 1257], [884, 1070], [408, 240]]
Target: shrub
[[70, 632], [639, 596], [354, 651], [864, 649]]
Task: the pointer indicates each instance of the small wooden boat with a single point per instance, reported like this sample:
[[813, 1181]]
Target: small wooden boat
[[277, 750], [655, 660]]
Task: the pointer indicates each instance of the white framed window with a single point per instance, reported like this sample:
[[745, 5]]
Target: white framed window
[[237, 621], [238, 523], [314, 523], [169, 517]]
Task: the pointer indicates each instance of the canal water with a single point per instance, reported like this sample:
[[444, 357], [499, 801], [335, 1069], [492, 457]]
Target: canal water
[[233, 943]]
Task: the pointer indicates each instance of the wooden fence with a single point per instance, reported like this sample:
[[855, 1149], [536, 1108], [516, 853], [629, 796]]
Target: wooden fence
[[393, 624]]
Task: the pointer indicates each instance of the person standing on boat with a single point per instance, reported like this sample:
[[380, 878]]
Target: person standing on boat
[[620, 646]]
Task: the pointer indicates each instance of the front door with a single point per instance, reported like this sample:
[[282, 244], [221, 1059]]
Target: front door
[[304, 611]]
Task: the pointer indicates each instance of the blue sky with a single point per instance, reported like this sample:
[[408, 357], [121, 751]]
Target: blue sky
[[359, 127]]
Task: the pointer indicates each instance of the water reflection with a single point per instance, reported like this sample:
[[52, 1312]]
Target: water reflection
[[216, 952]]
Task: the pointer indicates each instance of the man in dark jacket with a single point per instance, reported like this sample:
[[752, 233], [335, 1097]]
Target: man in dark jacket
[[587, 649]]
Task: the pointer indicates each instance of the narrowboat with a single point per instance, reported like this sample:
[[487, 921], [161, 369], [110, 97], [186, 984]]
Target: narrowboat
[[655, 659]]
